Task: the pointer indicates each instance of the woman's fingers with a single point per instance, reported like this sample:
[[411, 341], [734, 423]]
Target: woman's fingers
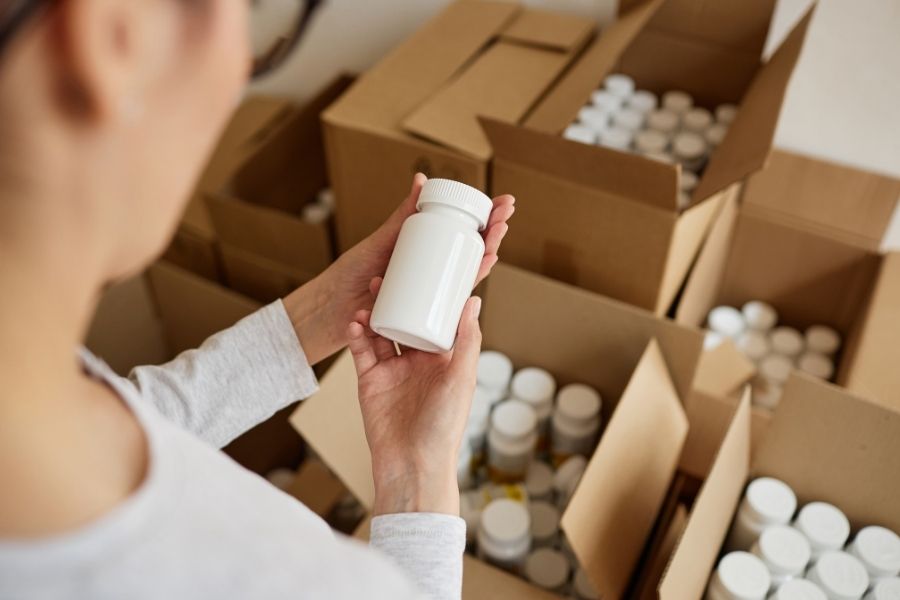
[[484, 269], [375, 286], [361, 348], [468, 340], [383, 347], [493, 237], [502, 211]]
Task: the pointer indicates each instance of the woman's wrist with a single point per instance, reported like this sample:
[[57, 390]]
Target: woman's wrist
[[311, 312], [432, 492]]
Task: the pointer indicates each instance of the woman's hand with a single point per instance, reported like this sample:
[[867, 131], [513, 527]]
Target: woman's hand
[[321, 309], [415, 406]]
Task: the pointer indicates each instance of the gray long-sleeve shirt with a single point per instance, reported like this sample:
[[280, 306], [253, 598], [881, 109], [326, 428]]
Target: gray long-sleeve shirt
[[200, 526]]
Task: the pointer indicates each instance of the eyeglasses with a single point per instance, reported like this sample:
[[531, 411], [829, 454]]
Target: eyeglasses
[[276, 27]]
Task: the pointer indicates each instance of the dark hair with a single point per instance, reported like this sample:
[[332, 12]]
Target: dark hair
[[14, 14]]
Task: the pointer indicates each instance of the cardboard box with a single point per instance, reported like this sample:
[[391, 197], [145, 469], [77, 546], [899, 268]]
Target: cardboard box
[[806, 241], [194, 244], [825, 443], [642, 366], [257, 210], [607, 220], [417, 109]]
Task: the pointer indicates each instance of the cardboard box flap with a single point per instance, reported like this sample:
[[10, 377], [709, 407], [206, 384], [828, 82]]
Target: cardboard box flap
[[560, 106], [414, 70], [825, 194], [695, 555], [723, 370], [623, 175], [835, 447], [504, 82], [616, 504], [735, 24], [331, 422], [550, 30], [749, 140]]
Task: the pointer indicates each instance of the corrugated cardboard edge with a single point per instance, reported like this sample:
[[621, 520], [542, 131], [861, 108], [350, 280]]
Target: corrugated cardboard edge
[[723, 370], [633, 467], [696, 552]]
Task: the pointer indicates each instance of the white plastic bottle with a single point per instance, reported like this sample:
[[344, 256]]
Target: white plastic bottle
[[616, 138], [664, 121], [511, 441], [433, 267], [315, 213], [548, 569], [784, 551], [650, 141], [566, 479], [643, 101], [494, 372], [473, 502], [677, 101], [619, 85], [739, 576], [544, 524], [539, 481], [786, 341], [878, 548], [725, 113], [776, 368], [595, 118], [477, 425], [690, 150], [629, 119], [753, 344], [798, 589], [575, 422], [840, 575], [504, 534], [824, 525], [577, 132], [582, 586], [759, 315], [816, 364], [607, 102], [726, 321], [885, 589], [697, 119], [824, 339], [715, 134], [766, 502], [536, 387]]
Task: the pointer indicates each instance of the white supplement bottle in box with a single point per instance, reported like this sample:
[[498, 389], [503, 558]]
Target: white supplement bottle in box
[[566, 479], [697, 120], [511, 441], [504, 534], [582, 586], [664, 121], [643, 101], [766, 502], [798, 589], [548, 569], [433, 267], [715, 134], [786, 341], [725, 113], [478, 423], [535, 387], [776, 368], [575, 422], [878, 548], [606, 101], [726, 321], [629, 119], [544, 524], [824, 339], [690, 150], [539, 481], [577, 132], [759, 315], [885, 589], [650, 141], [753, 344], [816, 364], [617, 138], [619, 85], [824, 525], [594, 118], [840, 575], [494, 372], [739, 576], [784, 551], [677, 101]]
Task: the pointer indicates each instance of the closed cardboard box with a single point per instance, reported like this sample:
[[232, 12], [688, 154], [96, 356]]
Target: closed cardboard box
[[607, 220], [643, 368]]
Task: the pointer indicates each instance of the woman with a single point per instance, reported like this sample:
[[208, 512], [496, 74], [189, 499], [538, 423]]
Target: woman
[[112, 488]]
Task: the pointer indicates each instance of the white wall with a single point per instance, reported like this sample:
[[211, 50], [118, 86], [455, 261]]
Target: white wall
[[843, 103]]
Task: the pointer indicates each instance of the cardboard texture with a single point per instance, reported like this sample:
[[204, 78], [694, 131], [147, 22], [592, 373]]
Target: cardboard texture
[[607, 220], [825, 443], [812, 272], [417, 109], [259, 278], [640, 364], [723, 370], [258, 208]]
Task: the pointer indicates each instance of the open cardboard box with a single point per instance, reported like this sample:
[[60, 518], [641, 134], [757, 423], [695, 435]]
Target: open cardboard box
[[267, 247], [822, 441], [608, 220], [194, 245], [418, 109], [806, 240], [643, 367]]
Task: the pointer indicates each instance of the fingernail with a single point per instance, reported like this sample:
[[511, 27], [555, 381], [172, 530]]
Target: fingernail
[[477, 307]]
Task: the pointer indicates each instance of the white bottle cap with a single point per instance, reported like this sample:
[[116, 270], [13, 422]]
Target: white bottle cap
[[697, 119], [514, 419], [615, 137], [544, 522], [547, 568], [650, 140], [281, 478], [580, 133], [726, 321], [770, 500], [315, 213], [326, 198], [786, 341], [663, 157], [841, 576], [753, 344], [643, 101], [536, 387], [677, 101], [715, 134], [688, 145], [824, 339], [712, 339], [578, 403], [725, 113], [783, 549], [567, 477], [743, 576], [539, 480], [458, 195], [606, 101], [628, 118], [494, 370], [759, 315], [619, 85], [885, 589], [817, 365], [798, 589], [595, 118], [688, 182], [663, 120], [824, 525], [776, 368], [504, 530], [584, 589], [879, 550], [767, 394]]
